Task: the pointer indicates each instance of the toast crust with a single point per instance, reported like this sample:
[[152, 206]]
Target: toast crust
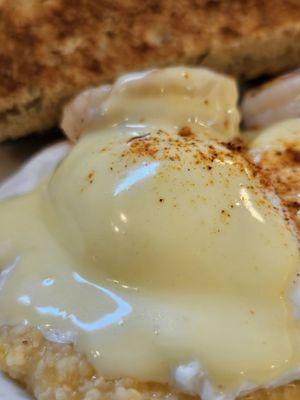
[[51, 50]]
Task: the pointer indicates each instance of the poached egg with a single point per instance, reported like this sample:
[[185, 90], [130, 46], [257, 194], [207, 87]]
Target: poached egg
[[155, 247]]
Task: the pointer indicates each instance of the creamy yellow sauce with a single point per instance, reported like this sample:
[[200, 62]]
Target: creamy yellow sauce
[[152, 247]]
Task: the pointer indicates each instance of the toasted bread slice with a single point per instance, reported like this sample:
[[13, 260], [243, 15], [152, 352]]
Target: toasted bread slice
[[51, 50]]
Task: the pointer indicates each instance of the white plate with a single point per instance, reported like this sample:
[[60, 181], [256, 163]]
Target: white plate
[[10, 391]]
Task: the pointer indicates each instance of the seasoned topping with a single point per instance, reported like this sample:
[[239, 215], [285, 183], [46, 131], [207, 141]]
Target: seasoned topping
[[90, 176], [162, 145], [185, 132], [283, 169], [276, 152]]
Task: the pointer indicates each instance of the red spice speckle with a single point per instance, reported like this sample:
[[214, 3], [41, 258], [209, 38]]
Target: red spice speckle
[[280, 171], [90, 176], [185, 131]]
